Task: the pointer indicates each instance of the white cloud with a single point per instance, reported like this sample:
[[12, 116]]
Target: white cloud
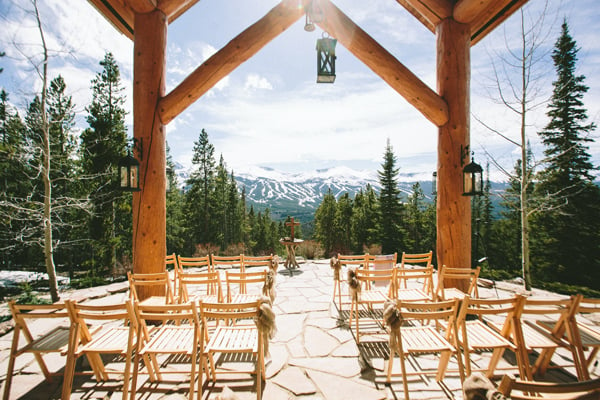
[[255, 81]]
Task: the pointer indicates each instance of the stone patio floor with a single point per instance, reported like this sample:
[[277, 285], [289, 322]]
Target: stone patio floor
[[314, 354]]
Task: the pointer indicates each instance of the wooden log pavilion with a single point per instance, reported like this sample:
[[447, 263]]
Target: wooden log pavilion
[[457, 24]]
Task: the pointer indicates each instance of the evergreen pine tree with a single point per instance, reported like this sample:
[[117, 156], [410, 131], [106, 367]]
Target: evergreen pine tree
[[175, 213], [567, 241], [392, 239], [199, 198], [325, 227], [343, 216], [102, 146]]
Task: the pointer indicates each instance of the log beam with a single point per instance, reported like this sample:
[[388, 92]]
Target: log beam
[[142, 6], [174, 8], [120, 16], [492, 16], [453, 209], [149, 205], [465, 11], [392, 71], [231, 56]]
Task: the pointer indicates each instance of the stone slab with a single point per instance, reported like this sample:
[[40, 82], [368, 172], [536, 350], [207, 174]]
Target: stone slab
[[295, 381], [342, 367], [336, 388]]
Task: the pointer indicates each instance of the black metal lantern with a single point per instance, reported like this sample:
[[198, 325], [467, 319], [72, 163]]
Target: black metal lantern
[[472, 179], [326, 60], [129, 170], [434, 183]]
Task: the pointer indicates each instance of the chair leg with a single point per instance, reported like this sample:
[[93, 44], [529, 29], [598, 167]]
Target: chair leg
[[11, 363], [444, 359]]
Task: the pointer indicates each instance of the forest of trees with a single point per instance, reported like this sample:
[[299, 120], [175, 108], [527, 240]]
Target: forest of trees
[[564, 234], [90, 218], [91, 221]]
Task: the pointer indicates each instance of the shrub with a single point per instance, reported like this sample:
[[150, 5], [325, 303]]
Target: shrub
[[234, 249], [309, 249], [30, 297], [374, 249], [205, 249]]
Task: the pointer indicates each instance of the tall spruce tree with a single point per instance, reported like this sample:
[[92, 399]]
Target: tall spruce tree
[[392, 239], [567, 247], [102, 146], [200, 196], [325, 227]]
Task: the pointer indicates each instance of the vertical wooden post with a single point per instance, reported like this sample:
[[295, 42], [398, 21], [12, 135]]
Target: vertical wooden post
[[453, 209], [149, 205]]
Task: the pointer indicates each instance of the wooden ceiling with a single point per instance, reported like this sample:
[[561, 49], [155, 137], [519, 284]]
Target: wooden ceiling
[[482, 15]]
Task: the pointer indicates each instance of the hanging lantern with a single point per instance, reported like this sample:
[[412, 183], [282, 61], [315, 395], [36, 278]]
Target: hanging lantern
[[472, 179], [129, 170], [326, 59], [434, 183]]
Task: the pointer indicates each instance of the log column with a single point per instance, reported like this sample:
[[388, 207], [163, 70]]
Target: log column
[[149, 205], [453, 209]]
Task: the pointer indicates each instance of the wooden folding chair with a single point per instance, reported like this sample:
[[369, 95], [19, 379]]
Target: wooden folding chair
[[238, 286], [98, 330], [227, 262], [482, 334], [377, 287], [181, 339], [257, 261], [417, 266], [586, 334], [51, 323], [529, 390], [200, 286], [171, 264], [152, 282], [544, 322], [425, 328], [360, 260], [446, 274], [233, 338]]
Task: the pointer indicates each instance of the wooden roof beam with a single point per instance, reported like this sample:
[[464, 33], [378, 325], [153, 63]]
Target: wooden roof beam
[[429, 12], [175, 8], [231, 56], [120, 16], [384, 64], [465, 11], [492, 16], [142, 6]]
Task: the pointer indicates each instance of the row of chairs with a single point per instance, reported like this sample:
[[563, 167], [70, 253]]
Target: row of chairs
[[529, 327], [200, 278], [142, 338]]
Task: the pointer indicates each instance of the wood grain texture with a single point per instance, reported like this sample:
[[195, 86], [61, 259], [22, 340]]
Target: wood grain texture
[[149, 205], [453, 209]]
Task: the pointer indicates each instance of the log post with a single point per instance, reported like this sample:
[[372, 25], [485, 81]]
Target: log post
[[453, 209], [149, 205]]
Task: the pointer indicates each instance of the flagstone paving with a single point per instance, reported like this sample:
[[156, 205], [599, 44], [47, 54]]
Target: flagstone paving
[[313, 355]]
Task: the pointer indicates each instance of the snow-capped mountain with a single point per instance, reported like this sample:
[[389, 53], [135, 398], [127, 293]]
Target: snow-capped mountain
[[300, 194]]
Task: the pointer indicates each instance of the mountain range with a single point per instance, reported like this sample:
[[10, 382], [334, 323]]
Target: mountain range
[[299, 194]]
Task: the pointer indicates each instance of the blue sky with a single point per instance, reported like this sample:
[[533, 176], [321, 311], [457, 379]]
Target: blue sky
[[270, 111]]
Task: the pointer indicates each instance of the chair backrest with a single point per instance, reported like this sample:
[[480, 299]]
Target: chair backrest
[[353, 259], [159, 281], [382, 261], [178, 313], [530, 390], [416, 259], [199, 264], [434, 311], [86, 317], [199, 284], [228, 311], [446, 274], [377, 277], [241, 280], [227, 261], [24, 314], [171, 261], [257, 261], [500, 313], [425, 274]]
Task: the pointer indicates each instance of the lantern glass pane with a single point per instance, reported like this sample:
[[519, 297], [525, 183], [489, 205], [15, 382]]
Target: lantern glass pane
[[133, 177], [467, 183], [124, 175]]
